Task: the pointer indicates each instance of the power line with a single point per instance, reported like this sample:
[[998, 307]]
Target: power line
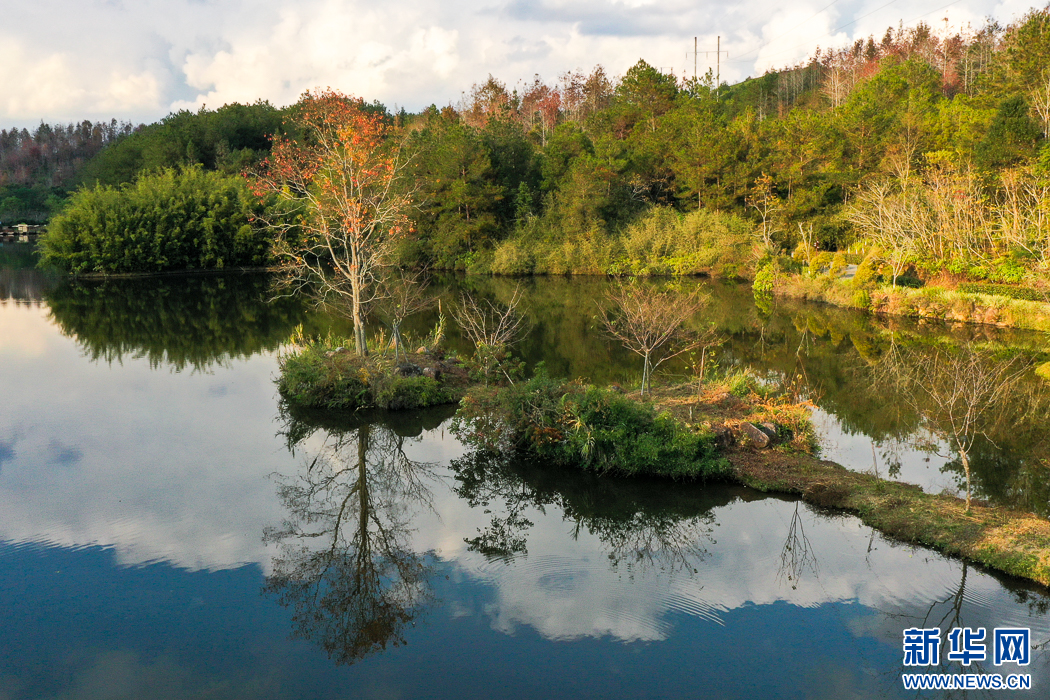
[[927, 14], [773, 41], [841, 26], [917, 17]]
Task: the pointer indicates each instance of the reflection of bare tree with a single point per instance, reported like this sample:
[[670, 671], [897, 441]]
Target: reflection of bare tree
[[959, 392], [950, 612], [345, 564], [634, 533], [797, 555], [662, 541]]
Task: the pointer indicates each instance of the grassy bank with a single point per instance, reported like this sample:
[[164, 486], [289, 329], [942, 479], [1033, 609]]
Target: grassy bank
[[660, 242], [738, 429], [1014, 542], [593, 428], [929, 302], [326, 374]]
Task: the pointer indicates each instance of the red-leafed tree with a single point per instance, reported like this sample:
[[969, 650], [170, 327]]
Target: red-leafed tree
[[341, 179]]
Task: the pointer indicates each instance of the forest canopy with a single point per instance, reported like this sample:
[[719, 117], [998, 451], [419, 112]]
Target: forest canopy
[[573, 175]]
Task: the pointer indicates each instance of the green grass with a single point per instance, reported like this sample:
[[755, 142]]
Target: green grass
[[592, 428], [323, 374]]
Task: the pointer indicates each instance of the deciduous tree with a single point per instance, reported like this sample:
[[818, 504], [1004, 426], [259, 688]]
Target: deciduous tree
[[651, 323], [341, 180]]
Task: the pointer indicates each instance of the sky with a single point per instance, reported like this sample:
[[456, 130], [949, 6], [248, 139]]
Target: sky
[[138, 60]]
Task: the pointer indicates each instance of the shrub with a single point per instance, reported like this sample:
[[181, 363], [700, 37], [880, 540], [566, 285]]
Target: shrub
[[666, 242], [511, 257], [585, 426], [169, 220], [819, 262], [311, 380], [405, 393], [1004, 290], [765, 279], [324, 375], [867, 270], [1043, 371]]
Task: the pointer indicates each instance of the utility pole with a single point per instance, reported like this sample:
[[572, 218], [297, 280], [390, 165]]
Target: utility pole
[[718, 63]]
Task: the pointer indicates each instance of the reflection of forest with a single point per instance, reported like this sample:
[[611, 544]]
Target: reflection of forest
[[189, 321], [969, 390], [19, 279], [842, 359], [345, 564]]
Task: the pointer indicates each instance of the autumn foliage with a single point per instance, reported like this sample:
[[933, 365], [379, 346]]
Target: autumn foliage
[[338, 172]]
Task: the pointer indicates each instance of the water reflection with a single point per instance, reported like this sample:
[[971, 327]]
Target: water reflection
[[639, 524], [798, 554], [346, 565], [875, 380], [20, 281], [852, 365], [131, 498], [178, 322]]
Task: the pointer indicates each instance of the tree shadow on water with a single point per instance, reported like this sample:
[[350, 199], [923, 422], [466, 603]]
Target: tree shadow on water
[[345, 565]]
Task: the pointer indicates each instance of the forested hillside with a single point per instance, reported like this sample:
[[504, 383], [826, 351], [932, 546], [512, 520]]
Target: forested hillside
[[946, 131], [923, 147], [38, 169]]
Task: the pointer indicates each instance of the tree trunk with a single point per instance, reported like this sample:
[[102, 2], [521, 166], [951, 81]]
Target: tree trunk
[[360, 338], [395, 331], [966, 467], [646, 372]]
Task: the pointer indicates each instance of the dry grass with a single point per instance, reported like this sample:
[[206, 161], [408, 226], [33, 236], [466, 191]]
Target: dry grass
[[930, 302], [1009, 541], [1013, 542]]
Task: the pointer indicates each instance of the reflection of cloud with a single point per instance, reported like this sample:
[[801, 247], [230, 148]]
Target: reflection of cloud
[[562, 601], [7, 451], [153, 463], [122, 674], [127, 674], [63, 455], [855, 451], [22, 335], [566, 589], [158, 465]]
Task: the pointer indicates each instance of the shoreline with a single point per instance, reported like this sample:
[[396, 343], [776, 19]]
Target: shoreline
[[767, 444], [166, 273], [1010, 541], [927, 303]]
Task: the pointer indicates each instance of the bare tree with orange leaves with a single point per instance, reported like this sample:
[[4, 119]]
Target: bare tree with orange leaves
[[341, 180]]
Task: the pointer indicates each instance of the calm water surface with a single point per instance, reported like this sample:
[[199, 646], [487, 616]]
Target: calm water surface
[[167, 530]]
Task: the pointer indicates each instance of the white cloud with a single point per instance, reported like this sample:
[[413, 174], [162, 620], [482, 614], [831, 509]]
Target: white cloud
[[69, 60]]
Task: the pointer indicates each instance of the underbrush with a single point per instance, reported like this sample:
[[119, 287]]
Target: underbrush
[[727, 402], [661, 242], [931, 302], [323, 373], [593, 428]]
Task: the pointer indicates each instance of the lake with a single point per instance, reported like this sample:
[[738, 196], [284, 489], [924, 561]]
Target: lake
[[169, 530]]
